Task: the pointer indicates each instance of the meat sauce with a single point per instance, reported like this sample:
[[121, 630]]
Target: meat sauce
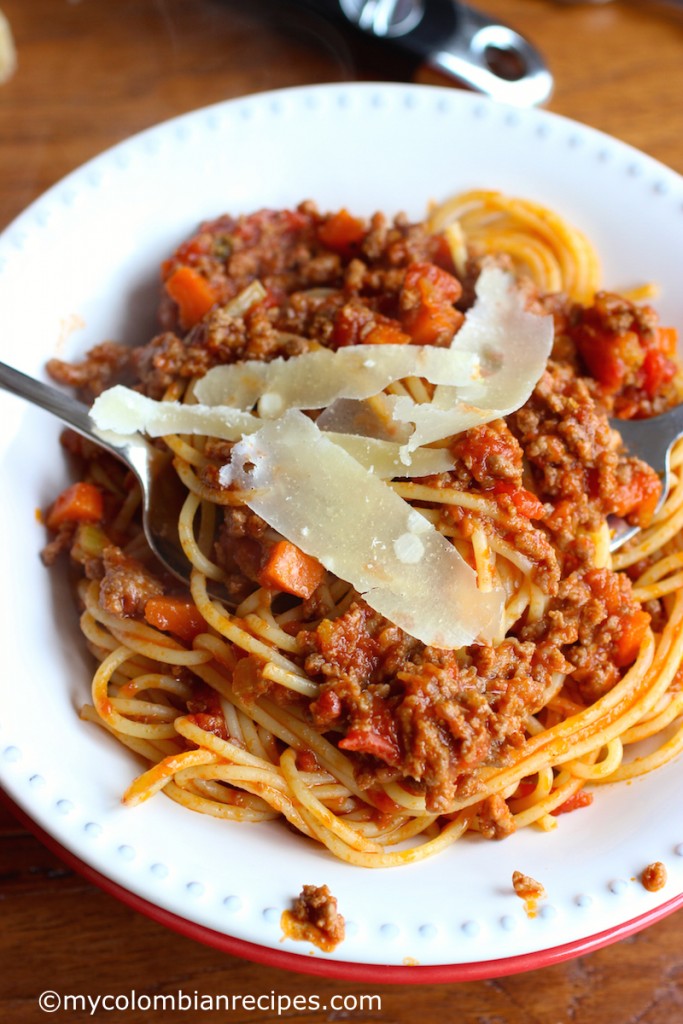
[[401, 711]]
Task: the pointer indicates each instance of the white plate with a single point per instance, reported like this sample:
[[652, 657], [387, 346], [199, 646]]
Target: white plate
[[80, 266]]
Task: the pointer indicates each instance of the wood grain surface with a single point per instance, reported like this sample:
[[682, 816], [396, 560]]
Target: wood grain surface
[[92, 72]]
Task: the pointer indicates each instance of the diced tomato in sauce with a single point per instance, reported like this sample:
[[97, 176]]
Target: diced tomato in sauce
[[526, 503], [427, 300], [579, 799], [376, 737]]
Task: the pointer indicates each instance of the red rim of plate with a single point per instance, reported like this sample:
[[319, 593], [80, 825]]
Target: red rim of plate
[[388, 974]]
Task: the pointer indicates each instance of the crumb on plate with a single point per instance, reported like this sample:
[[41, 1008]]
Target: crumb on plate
[[529, 890], [314, 918], [653, 877]]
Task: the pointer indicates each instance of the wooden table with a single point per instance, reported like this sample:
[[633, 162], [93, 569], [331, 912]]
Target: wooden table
[[91, 73]]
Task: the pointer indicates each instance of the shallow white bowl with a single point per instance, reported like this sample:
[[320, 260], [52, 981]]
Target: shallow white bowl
[[81, 266]]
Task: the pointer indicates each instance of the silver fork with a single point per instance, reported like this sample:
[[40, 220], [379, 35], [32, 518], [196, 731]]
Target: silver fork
[[650, 440], [160, 498]]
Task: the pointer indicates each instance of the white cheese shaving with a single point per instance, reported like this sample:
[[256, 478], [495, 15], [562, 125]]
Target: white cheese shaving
[[321, 485], [513, 346], [314, 380], [123, 411], [490, 369], [405, 569], [371, 417], [408, 548], [384, 458]]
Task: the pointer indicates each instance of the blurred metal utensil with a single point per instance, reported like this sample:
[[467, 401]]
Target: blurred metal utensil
[[160, 498], [650, 440], [454, 39]]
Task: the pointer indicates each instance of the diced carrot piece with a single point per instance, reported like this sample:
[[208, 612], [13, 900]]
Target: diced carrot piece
[[81, 502], [630, 638], [386, 332], [427, 298], [667, 341], [430, 325], [288, 568], [192, 293], [177, 615], [341, 231], [658, 370]]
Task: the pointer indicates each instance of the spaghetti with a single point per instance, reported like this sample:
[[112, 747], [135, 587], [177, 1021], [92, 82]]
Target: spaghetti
[[272, 688]]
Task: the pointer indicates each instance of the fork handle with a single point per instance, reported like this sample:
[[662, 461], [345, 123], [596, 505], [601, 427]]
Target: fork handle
[[72, 412], [69, 410]]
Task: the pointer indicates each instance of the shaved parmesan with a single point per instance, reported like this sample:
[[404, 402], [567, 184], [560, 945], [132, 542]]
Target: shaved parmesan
[[385, 458], [318, 496], [315, 379], [321, 484], [490, 369], [124, 411], [513, 346], [371, 417]]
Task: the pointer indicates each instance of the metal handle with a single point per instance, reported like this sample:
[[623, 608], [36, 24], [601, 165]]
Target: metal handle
[[69, 410], [75, 414], [458, 41], [494, 59]]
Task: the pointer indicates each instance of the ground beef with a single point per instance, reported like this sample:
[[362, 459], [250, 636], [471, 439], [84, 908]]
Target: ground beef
[[528, 890], [654, 876], [598, 626], [364, 279], [574, 454], [487, 455], [563, 434], [457, 714], [402, 242], [166, 359], [104, 365], [357, 649], [126, 585], [493, 818], [60, 541], [241, 548], [572, 528], [314, 917], [438, 715]]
